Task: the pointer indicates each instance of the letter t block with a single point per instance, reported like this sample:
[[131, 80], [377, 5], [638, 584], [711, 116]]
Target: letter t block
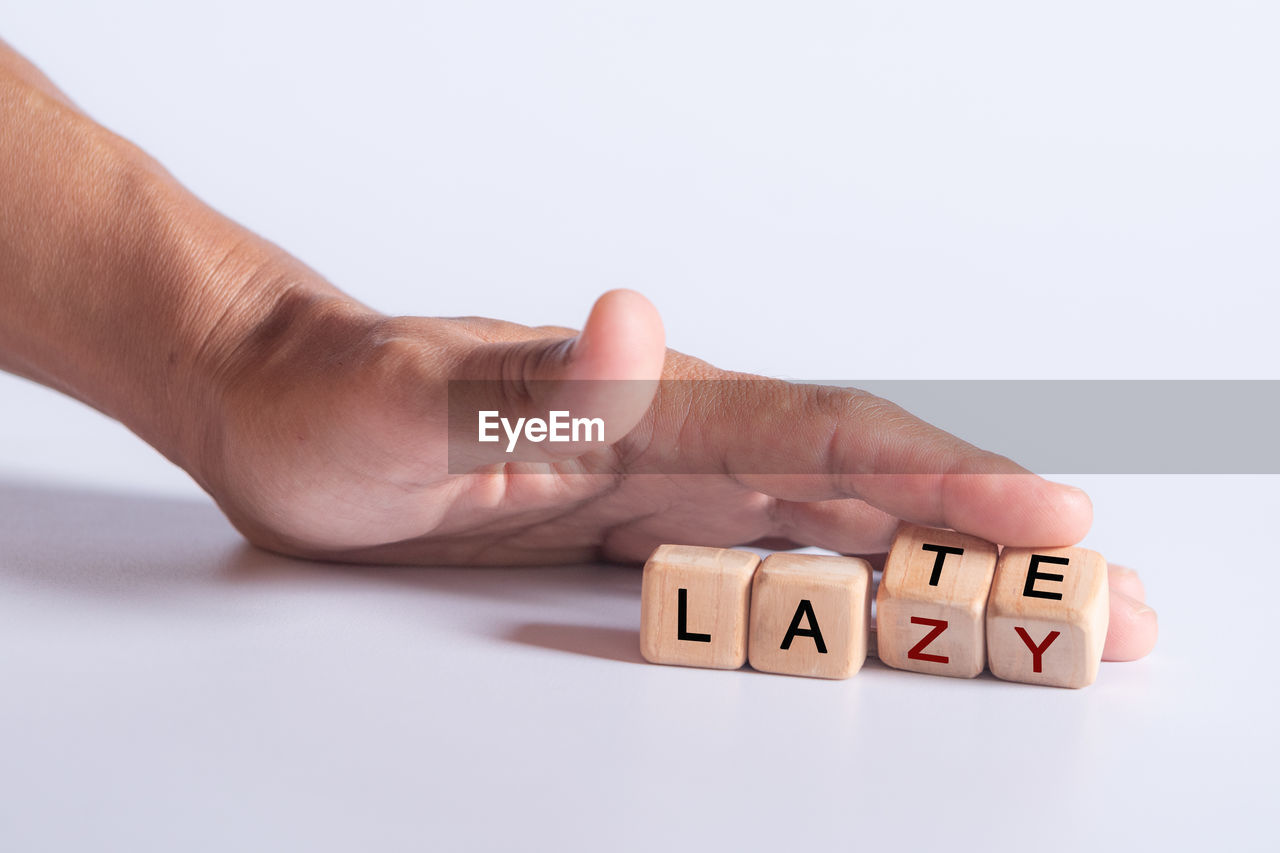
[[932, 601], [1047, 616], [694, 606]]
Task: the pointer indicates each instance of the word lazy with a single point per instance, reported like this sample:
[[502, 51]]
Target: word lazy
[[948, 604]]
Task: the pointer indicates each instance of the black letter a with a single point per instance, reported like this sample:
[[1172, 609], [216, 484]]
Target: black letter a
[[806, 610]]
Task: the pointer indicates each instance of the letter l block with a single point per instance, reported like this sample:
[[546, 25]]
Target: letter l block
[[694, 606]]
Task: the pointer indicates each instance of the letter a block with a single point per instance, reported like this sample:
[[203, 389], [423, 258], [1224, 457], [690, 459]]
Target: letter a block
[[1047, 616], [694, 606], [932, 600], [810, 615]]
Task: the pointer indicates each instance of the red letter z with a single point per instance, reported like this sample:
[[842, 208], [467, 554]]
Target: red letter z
[[917, 651], [1036, 651]]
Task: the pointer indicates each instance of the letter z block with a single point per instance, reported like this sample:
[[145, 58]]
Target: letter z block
[[1047, 616], [694, 606], [932, 602], [810, 615]]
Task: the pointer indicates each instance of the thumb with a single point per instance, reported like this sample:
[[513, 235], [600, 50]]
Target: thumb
[[549, 399]]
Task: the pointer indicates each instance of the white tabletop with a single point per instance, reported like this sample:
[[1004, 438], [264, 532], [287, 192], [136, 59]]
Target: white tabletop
[[169, 687], [984, 174]]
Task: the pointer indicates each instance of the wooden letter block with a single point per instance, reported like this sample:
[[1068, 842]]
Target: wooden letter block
[[694, 606], [1047, 616], [932, 600], [810, 615]]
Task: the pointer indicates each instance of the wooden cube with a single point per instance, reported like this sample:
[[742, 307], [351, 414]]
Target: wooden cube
[[694, 606], [930, 609], [810, 615], [1047, 616]]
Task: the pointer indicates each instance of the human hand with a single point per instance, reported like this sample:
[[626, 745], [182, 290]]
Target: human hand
[[333, 436], [321, 427]]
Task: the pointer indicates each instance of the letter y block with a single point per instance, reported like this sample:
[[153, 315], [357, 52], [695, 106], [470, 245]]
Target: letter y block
[[1047, 616]]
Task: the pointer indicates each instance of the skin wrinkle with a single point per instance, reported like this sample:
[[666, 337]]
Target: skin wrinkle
[[610, 551], [227, 256], [505, 539]]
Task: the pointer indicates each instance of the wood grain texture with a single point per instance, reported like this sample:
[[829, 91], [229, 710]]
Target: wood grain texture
[[818, 607], [1023, 614], [715, 584], [931, 605]]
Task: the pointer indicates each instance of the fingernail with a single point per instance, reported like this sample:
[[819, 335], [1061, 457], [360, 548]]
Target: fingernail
[[1139, 608]]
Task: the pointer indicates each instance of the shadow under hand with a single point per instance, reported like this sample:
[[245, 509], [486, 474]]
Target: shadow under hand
[[144, 548], [82, 541]]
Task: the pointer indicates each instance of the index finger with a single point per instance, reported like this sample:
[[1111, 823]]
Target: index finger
[[812, 443]]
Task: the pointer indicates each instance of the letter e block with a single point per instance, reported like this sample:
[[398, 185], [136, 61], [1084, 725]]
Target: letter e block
[[810, 615], [932, 602], [1047, 616], [694, 606]]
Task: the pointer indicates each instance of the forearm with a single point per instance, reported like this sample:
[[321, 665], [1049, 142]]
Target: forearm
[[117, 286]]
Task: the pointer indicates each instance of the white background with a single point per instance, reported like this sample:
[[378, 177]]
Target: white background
[[836, 190]]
